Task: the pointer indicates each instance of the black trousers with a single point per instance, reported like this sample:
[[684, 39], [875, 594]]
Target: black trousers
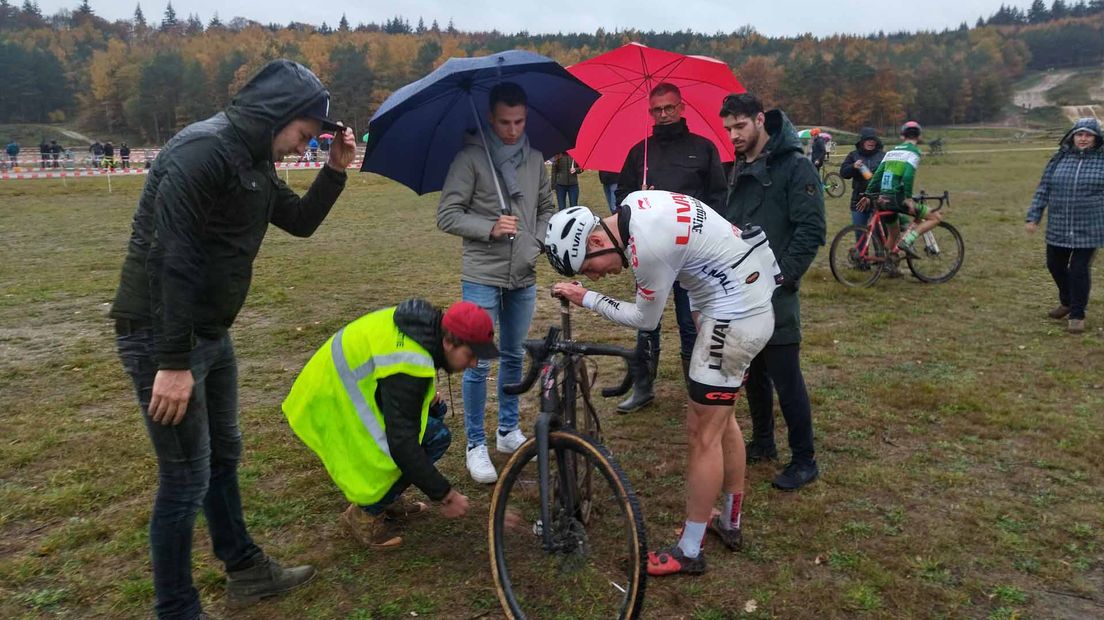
[[1071, 269], [778, 367]]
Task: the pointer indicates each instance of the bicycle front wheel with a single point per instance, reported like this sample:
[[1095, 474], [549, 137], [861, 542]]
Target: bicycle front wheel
[[833, 184], [595, 565], [857, 258], [941, 251]]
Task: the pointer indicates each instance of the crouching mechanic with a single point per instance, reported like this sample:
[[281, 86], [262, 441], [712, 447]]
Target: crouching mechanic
[[366, 403], [730, 276]]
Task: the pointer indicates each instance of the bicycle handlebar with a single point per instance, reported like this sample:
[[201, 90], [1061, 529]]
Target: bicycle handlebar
[[540, 350]]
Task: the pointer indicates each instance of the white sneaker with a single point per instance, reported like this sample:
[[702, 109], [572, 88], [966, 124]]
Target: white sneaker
[[480, 467], [509, 443]]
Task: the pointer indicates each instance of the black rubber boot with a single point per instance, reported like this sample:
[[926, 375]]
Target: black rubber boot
[[264, 579], [643, 389]]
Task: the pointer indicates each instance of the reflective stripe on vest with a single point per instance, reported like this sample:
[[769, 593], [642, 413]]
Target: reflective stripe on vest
[[351, 377]]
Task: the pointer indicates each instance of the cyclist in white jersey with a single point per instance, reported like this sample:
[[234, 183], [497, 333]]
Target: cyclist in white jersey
[[730, 276]]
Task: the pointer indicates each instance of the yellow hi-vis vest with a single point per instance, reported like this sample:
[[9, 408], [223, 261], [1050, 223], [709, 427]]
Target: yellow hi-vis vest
[[332, 406]]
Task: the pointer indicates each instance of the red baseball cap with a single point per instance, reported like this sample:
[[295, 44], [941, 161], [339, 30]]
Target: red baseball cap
[[472, 324]]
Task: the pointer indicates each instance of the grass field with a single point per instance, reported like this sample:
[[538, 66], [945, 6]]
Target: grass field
[[958, 429]]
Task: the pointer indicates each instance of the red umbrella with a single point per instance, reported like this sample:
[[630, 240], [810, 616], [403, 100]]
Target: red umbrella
[[620, 119], [326, 136]]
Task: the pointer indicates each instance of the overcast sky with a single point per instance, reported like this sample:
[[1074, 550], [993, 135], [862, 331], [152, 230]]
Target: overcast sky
[[770, 17]]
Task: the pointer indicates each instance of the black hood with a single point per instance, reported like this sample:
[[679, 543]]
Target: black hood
[[278, 94], [868, 133], [418, 319], [783, 137]]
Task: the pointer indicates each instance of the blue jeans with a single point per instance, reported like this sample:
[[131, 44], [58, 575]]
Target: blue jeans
[[512, 311], [860, 218], [436, 441], [197, 467], [565, 192], [688, 334], [610, 190]]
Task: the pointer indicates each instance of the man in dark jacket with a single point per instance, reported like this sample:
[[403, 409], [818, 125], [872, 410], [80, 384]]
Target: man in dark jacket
[[859, 165], [124, 155], [818, 151], [397, 352], [684, 163], [775, 187], [205, 207]]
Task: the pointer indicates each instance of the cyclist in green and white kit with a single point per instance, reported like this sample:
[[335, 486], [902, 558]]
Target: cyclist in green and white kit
[[892, 185]]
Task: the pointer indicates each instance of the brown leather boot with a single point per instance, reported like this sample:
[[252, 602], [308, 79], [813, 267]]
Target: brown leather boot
[[405, 508], [373, 531]]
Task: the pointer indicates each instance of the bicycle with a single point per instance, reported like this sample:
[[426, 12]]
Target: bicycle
[[858, 255], [833, 182], [935, 147], [566, 532]]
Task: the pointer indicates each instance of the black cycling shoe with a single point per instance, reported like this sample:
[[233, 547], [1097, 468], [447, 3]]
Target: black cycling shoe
[[796, 475], [757, 452]]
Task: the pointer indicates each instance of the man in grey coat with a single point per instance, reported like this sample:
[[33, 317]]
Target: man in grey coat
[[500, 253]]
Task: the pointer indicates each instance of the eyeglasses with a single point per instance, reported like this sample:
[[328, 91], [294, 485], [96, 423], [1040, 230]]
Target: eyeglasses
[[665, 110]]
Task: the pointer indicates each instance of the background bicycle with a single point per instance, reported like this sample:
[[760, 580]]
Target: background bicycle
[[567, 536], [858, 255], [833, 182]]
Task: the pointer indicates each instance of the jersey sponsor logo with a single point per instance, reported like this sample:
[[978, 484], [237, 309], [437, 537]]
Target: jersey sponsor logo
[[752, 278], [645, 293], [811, 189], [632, 252], [575, 246], [716, 345], [722, 396], [683, 206], [642, 203], [699, 218], [720, 276], [611, 301], [902, 155]]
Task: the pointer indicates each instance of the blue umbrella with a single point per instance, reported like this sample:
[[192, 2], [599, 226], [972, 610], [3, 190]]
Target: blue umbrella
[[417, 132]]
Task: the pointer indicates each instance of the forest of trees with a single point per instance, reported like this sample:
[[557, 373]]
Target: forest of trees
[[147, 78]]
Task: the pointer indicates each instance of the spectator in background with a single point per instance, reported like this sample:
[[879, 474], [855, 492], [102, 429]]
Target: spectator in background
[[565, 175], [324, 145], [609, 187], [13, 153], [55, 153], [818, 152], [44, 153], [124, 154], [312, 147], [1072, 188], [109, 154], [859, 166], [97, 151]]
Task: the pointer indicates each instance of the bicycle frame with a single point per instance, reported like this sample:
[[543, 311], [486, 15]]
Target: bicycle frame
[[559, 411], [876, 227]]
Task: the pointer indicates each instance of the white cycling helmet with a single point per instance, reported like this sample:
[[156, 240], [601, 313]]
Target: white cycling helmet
[[566, 239]]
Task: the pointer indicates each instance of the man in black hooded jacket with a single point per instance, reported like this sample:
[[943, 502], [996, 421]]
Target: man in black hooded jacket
[[205, 208], [868, 153]]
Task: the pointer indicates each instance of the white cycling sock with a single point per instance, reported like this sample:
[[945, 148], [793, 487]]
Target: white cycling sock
[[692, 534]]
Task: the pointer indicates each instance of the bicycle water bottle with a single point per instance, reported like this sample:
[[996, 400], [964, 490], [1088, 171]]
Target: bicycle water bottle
[[864, 170]]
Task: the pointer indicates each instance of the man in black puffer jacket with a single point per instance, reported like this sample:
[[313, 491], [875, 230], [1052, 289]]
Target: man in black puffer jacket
[[206, 206], [684, 163], [868, 153], [775, 187]]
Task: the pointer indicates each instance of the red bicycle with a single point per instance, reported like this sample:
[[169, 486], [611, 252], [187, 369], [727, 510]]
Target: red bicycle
[[859, 257]]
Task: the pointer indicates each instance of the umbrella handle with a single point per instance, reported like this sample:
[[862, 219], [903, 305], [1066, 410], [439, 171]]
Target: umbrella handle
[[490, 160]]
